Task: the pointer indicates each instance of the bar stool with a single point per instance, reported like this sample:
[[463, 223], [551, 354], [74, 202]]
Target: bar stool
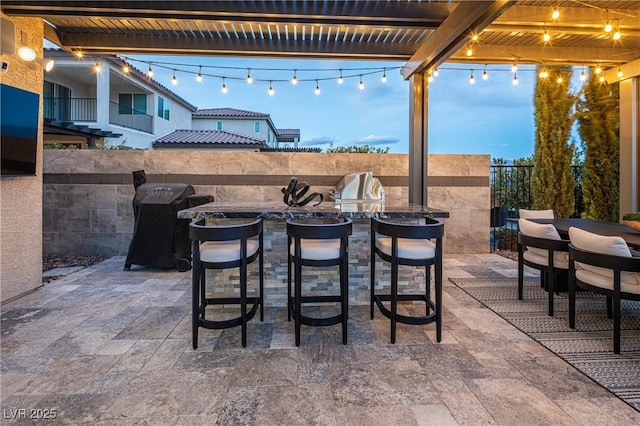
[[223, 247], [408, 244], [318, 244]]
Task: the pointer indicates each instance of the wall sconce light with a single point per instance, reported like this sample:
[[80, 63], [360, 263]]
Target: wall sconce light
[[47, 64], [25, 52]]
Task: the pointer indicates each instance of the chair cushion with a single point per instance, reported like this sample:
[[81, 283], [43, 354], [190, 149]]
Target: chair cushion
[[312, 249], [616, 246], [536, 214], [605, 282], [225, 251], [408, 248], [549, 232]]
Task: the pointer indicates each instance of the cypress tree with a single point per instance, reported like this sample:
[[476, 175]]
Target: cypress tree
[[599, 121], [552, 183]]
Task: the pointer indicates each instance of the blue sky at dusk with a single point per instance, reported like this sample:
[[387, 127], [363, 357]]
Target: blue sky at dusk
[[490, 117]]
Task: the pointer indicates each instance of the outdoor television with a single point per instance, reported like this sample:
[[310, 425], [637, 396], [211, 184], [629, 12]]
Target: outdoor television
[[18, 131]]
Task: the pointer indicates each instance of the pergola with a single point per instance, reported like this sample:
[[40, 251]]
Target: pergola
[[423, 34]]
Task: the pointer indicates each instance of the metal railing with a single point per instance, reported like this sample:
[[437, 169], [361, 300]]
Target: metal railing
[[511, 191], [71, 109], [121, 115]]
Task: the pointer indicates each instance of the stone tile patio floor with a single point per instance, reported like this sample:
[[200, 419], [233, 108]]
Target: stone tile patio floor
[[106, 347]]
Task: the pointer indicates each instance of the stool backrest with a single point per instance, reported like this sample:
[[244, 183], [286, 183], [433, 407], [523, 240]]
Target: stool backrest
[[433, 228], [200, 231], [319, 231]]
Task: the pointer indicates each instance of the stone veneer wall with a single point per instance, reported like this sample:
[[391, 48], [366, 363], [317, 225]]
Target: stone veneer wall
[[88, 193]]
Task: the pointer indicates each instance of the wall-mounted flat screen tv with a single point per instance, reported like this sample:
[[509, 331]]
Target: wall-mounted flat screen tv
[[18, 131]]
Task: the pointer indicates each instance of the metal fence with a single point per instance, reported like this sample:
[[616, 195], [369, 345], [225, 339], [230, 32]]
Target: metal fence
[[511, 191], [71, 109], [128, 117]]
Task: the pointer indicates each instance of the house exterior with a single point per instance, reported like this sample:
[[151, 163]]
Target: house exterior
[[257, 125], [117, 105]]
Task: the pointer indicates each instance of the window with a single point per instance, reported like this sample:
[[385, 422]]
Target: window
[[256, 127], [132, 103], [163, 108], [219, 125]]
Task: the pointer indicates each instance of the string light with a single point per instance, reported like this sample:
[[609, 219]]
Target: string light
[[583, 76], [436, 72], [249, 79], [224, 86], [430, 77], [555, 14], [546, 36], [150, 71], [125, 68], [384, 76], [559, 80], [174, 80], [294, 79], [514, 67], [97, 67], [340, 79], [469, 50], [317, 91], [620, 74], [79, 54], [472, 79], [361, 84], [199, 76], [485, 75], [598, 69], [271, 91], [544, 73], [474, 38], [602, 80], [515, 79], [608, 27], [616, 34]]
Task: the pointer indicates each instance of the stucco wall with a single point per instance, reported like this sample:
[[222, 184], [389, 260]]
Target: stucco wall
[[88, 193], [21, 198]]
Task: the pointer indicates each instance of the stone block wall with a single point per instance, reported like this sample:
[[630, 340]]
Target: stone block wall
[[88, 193]]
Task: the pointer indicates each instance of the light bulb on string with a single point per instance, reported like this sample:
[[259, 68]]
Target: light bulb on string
[[224, 86], [436, 72], [430, 77], [469, 51], [150, 72], [472, 79], [616, 34], [174, 80], [583, 76], [249, 79], [620, 74], [602, 80], [559, 79], [79, 54], [340, 79], [555, 14], [361, 84], [97, 67], [271, 91], [485, 74], [317, 91], [598, 69], [474, 37], [199, 75], [544, 73], [546, 36], [294, 79], [514, 67], [608, 27], [384, 75], [125, 68], [514, 81]]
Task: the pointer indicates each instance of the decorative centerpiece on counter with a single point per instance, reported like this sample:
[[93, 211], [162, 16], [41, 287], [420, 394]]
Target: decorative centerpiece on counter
[[294, 193], [632, 220]]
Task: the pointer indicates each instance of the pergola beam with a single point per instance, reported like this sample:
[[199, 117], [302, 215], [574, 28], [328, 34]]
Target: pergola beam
[[629, 70], [468, 18]]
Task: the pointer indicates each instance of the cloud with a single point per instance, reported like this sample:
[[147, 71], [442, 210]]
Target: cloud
[[317, 140], [376, 140]]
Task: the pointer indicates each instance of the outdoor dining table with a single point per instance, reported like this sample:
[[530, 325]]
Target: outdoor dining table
[[631, 236]]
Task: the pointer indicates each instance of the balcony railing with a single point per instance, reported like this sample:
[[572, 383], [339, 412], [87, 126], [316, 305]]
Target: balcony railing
[[71, 109], [124, 116]]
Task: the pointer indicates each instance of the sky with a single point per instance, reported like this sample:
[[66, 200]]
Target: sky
[[489, 117]]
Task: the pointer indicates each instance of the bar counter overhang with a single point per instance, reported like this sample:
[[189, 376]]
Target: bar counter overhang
[[318, 281]]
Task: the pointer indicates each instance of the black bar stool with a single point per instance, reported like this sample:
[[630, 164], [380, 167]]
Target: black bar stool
[[223, 247], [408, 244], [318, 244]]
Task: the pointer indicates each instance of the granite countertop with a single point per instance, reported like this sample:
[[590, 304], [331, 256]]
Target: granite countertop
[[328, 209]]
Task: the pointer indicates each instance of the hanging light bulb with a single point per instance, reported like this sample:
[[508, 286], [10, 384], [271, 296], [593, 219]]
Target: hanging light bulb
[[249, 79], [559, 79], [361, 84], [199, 76], [317, 91], [546, 36], [79, 54], [469, 51], [384, 76], [174, 80], [620, 74], [474, 37], [430, 77], [271, 91], [514, 81], [544, 73], [514, 67], [436, 72], [224, 86], [485, 74], [602, 80], [97, 67], [294, 79], [125, 68], [616, 34], [150, 72], [608, 27], [340, 79], [598, 69], [583, 76], [472, 79], [555, 14]]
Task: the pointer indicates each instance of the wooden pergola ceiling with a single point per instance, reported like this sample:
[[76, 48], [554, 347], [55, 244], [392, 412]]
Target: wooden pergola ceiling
[[424, 34]]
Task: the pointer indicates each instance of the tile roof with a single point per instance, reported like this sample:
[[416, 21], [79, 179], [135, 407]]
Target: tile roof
[[288, 132], [207, 137], [229, 113]]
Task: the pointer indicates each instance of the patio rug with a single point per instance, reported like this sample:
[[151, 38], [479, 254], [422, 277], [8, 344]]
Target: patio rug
[[589, 348]]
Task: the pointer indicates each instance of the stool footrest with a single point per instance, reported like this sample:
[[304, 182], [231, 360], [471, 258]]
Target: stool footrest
[[426, 319], [216, 325], [321, 322]]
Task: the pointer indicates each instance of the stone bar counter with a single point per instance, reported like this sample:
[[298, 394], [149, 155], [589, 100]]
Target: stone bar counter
[[315, 280]]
